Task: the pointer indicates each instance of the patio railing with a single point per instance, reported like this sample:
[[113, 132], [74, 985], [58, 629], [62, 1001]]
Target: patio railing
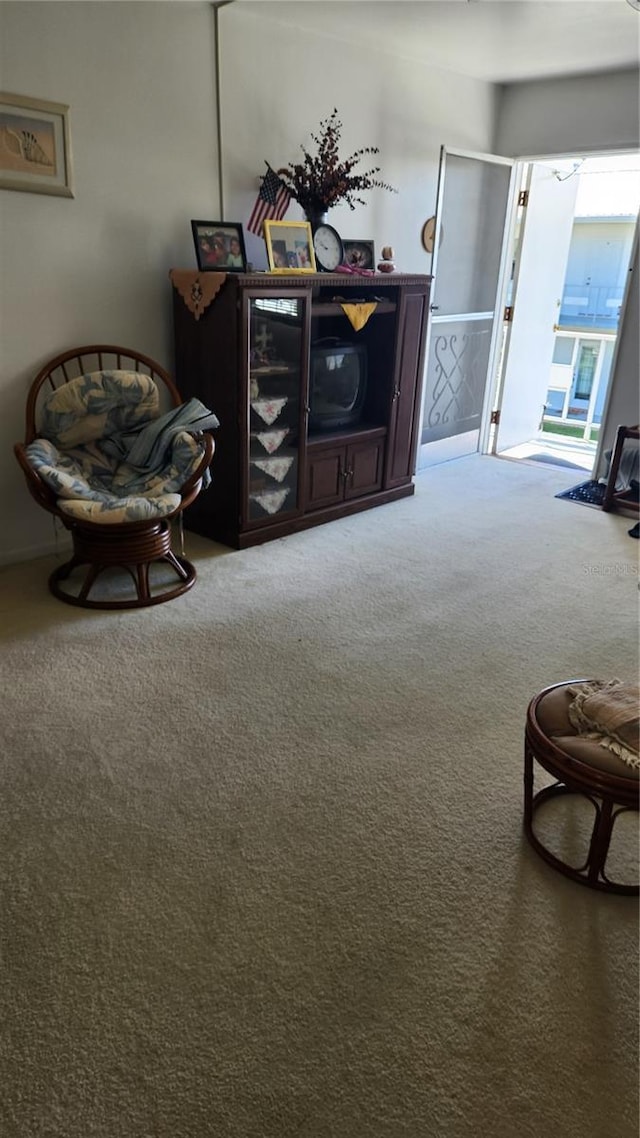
[[587, 306]]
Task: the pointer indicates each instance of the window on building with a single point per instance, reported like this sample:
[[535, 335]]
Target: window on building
[[555, 402], [585, 372], [563, 349]]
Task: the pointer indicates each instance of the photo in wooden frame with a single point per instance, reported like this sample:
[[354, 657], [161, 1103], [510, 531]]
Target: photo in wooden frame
[[359, 254], [35, 146], [289, 246], [219, 246]]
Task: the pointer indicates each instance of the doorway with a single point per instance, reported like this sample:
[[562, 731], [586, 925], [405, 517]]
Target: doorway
[[508, 372], [552, 412]]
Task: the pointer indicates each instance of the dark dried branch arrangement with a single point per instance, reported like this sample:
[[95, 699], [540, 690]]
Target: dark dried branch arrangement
[[322, 180]]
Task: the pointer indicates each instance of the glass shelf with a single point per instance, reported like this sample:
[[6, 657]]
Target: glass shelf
[[276, 328]]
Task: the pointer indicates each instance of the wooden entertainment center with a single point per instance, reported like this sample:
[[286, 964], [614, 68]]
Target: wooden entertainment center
[[299, 443]]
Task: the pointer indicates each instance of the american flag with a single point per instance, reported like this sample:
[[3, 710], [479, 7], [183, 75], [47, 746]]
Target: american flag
[[271, 202]]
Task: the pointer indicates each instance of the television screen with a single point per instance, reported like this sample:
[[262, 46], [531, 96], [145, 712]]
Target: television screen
[[337, 385]]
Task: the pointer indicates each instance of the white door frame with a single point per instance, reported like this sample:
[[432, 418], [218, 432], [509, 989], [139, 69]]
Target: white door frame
[[498, 355], [499, 362]]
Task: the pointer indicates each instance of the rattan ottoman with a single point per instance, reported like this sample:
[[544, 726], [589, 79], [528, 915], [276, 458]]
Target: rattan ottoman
[[582, 767]]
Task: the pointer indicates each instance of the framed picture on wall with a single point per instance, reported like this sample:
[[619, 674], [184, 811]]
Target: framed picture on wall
[[35, 146], [289, 246], [359, 254], [219, 246]]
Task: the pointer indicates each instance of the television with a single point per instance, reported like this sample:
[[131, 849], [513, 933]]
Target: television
[[337, 384]]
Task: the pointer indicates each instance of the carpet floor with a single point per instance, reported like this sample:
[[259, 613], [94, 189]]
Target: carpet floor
[[262, 864]]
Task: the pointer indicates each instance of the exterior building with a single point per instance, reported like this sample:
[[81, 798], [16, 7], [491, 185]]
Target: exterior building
[[588, 322]]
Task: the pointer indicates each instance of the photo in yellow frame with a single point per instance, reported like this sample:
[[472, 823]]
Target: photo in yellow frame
[[289, 246]]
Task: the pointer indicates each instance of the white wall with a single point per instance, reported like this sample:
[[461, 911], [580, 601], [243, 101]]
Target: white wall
[[278, 82], [140, 82], [569, 115]]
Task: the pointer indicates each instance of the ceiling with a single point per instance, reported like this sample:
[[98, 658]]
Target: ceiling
[[501, 41]]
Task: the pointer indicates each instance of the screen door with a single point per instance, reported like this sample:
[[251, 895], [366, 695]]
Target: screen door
[[469, 261]]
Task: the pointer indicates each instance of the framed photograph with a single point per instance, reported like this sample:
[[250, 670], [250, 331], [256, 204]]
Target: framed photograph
[[359, 254], [289, 246], [35, 148], [219, 246]]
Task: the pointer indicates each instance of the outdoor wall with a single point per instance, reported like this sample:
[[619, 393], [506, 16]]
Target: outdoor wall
[[278, 81], [140, 81], [562, 374], [599, 253], [571, 115]]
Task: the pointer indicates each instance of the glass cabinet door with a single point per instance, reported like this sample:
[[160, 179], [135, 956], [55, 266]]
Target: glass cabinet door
[[275, 405]]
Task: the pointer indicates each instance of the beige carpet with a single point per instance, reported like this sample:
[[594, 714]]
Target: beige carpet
[[263, 870]]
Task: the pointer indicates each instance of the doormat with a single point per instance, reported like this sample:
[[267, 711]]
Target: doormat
[[589, 493]]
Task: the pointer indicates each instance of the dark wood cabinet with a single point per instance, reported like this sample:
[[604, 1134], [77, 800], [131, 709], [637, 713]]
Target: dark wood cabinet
[[337, 472], [317, 420]]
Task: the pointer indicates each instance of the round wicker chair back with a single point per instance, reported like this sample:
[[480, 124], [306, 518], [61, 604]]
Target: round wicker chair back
[[130, 546]]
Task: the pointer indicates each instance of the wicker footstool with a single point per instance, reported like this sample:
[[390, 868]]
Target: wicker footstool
[[580, 766]]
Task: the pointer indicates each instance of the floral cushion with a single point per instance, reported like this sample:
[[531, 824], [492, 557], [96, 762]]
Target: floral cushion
[[112, 510], [97, 405], [96, 487]]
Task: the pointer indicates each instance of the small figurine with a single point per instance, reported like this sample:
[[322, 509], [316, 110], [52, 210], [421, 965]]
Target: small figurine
[[386, 265]]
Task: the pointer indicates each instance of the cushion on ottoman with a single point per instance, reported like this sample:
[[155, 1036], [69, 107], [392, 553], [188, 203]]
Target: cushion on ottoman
[[608, 713], [552, 715]]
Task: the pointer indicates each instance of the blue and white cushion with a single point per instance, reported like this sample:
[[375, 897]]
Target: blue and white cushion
[[90, 483]]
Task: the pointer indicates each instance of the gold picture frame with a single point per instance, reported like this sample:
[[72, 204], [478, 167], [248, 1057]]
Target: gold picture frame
[[35, 146], [289, 247]]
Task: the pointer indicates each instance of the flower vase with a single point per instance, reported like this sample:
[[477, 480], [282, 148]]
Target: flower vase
[[316, 217]]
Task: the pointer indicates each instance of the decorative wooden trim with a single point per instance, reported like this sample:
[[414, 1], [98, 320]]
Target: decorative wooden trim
[[305, 280], [197, 289]]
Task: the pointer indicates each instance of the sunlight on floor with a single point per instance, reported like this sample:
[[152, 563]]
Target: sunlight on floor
[[557, 451]]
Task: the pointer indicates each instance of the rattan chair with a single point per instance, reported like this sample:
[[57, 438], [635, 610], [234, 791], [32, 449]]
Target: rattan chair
[[624, 500], [125, 532]]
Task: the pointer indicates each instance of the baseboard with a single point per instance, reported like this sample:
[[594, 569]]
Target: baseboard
[[31, 552]]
